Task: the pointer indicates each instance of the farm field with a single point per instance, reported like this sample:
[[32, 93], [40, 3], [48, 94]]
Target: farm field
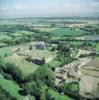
[[46, 29], [68, 32], [44, 50]]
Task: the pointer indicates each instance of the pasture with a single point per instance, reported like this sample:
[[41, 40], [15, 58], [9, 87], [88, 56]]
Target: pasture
[[68, 32], [20, 61], [46, 29]]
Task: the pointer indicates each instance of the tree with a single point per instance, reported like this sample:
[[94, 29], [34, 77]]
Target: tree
[[43, 60], [42, 94], [14, 71], [49, 96], [30, 47]]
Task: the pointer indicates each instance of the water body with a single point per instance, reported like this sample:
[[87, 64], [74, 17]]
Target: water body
[[88, 37]]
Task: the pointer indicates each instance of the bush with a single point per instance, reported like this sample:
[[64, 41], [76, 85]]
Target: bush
[[14, 71]]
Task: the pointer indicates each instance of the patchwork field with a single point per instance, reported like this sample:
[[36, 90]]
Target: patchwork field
[[17, 47]]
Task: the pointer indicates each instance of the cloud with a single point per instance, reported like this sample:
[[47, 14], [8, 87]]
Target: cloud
[[66, 7]]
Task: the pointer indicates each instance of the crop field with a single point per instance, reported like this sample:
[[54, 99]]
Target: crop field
[[46, 29], [67, 31], [92, 68], [86, 87], [10, 87]]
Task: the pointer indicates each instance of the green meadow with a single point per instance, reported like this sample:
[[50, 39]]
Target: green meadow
[[10, 87], [68, 32]]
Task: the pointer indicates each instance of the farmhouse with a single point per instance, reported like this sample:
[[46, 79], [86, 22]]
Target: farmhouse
[[38, 61], [39, 45]]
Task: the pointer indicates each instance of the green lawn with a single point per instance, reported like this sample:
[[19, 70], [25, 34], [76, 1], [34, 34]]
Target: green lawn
[[10, 87], [55, 63], [18, 33], [46, 29], [24, 65], [20, 61], [5, 51], [59, 96], [67, 31], [97, 47], [5, 37], [55, 94]]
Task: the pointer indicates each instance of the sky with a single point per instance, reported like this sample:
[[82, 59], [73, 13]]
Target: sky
[[49, 8]]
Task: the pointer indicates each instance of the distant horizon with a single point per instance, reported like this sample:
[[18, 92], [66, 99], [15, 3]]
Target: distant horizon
[[75, 16], [48, 8]]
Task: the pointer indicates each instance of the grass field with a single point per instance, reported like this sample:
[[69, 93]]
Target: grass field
[[97, 47], [5, 37], [10, 87], [46, 29], [25, 66], [9, 56], [22, 33], [20, 61], [5, 51], [55, 94], [58, 96], [67, 31], [55, 63]]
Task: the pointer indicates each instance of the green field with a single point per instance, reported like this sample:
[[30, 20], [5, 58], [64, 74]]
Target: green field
[[97, 47], [25, 66], [10, 87], [9, 56], [55, 94], [55, 63], [67, 31], [20, 61], [46, 29], [58, 96], [5, 37], [5, 51]]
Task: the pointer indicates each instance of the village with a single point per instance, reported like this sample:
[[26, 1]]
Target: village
[[68, 73], [49, 59]]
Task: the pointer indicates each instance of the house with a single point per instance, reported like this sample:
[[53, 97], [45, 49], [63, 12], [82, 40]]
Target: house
[[39, 45]]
